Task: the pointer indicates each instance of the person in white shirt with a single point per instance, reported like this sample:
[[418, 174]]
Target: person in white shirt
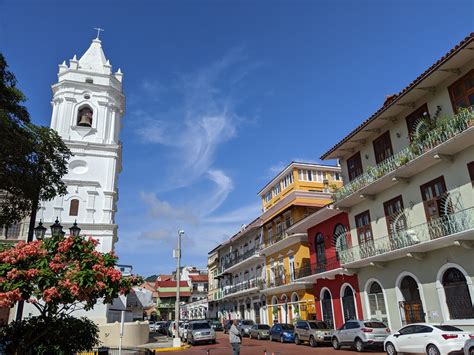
[[235, 338]]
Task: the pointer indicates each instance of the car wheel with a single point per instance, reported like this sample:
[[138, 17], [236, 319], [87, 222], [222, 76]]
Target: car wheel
[[432, 350], [359, 345], [258, 336], [390, 349], [282, 340], [335, 344], [213, 341], [297, 340], [312, 342]]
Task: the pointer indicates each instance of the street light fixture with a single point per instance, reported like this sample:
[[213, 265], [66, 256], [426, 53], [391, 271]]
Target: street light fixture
[[40, 231], [57, 228], [74, 230]]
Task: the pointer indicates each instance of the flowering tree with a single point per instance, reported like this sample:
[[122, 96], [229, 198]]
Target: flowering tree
[[59, 275]]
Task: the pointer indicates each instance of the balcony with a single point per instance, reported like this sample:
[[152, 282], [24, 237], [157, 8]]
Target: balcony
[[281, 241], [242, 260], [253, 285], [452, 229], [287, 282], [327, 268], [166, 305], [446, 139]]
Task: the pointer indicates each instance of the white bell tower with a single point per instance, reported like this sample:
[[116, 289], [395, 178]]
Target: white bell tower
[[88, 103]]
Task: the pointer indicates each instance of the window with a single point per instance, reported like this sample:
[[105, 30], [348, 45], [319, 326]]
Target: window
[[364, 229], [84, 117], [268, 196], [276, 189], [415, 118], [411, 306], [336, 176], [74, 207], [383, 147], [319, 176], [411, 329], [462, 91], [377, 303], [326, 307], [396, 220], [432, 193], [354, 166], [287, 180], [13, 231], [320, 251], [309, 175], [470, 168], [458, 298], [348, 307]]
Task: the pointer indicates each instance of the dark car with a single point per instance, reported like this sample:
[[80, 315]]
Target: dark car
[[283, 332], [216, 325], [260, 331]]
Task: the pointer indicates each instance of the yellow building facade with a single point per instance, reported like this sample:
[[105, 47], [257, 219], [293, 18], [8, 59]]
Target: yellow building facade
[[297, 191]]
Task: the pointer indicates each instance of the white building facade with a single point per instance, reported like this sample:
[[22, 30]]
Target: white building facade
[[409, 177]]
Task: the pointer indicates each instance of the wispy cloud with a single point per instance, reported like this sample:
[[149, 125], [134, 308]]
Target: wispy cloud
[[163, 210]]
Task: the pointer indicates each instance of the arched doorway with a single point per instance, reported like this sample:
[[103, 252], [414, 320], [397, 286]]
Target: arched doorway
[[458, 298], [275, 310], [348, 304], [326, 308], [284, 310], [295, 307], [411, 306], [248, 314], [320, 253], [377, 307]]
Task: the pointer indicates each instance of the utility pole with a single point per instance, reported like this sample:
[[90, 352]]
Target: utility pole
[[177, 255]]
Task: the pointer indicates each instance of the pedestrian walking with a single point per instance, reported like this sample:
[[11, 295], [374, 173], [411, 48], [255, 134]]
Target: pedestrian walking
[[235, 338]]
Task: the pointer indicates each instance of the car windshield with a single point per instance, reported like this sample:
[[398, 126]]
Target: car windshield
[[287, 326], [263, 326], [448, 328], [247, 322], [203, 325], [374, 325], [318, 325]]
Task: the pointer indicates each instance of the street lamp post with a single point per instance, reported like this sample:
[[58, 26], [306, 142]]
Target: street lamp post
[[177, 255]]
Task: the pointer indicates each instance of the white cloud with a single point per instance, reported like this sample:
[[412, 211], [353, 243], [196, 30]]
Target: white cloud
[[163, 210]]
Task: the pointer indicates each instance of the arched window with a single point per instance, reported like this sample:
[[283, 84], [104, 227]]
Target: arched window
[[458, 298], [74, 207], [326, 307], [348, 304], [412, 307], [377, 302], [84, 117], [320, 253]]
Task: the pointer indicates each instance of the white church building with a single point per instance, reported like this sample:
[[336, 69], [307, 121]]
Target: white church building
[[88, 104]]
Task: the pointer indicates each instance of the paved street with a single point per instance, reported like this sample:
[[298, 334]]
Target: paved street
[[251, 347]]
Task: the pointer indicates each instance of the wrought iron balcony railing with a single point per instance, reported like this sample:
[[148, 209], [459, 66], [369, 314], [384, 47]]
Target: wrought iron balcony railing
[[431, 139], [436, 228], [249, 253], [242, 286], [288, 278]]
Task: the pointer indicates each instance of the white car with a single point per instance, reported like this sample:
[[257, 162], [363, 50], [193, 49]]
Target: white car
[[152, 326], [431, 339]]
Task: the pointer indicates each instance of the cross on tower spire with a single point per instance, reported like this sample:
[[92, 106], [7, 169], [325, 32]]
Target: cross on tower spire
[[99, 30]]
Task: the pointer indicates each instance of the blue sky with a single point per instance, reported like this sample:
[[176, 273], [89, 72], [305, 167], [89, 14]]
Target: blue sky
[[223, 94]]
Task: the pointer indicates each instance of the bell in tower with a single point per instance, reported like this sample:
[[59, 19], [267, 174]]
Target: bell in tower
[[84, 118]]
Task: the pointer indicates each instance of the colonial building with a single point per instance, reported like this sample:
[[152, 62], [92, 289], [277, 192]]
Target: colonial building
[[166, 301], [213, 290], [336, 290], [241, 271], [409, 174], [297, 191]]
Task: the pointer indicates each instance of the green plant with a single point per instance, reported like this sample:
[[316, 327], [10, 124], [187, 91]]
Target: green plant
[[49, 335], [402, 160]]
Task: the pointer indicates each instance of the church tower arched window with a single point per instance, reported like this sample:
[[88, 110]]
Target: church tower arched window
[[84, 117], [74, 207]]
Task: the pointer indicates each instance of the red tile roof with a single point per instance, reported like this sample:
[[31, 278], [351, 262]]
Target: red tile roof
[[394, 98], [199, 278], [170, 283]]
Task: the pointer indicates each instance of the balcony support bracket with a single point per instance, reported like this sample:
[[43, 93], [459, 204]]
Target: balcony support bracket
[[416, 256], [444, 157], [368, 196], [377, 264], [466, 244]]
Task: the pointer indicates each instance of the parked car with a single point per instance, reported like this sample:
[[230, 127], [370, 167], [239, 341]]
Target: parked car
[[152, 326], [244, 326], [216, 325], [259, 331], [314, 332], [163, 327], [200, 331], [360, 334], [469, 346], [171, 328], [432, 339], [182, 330], [283, 332]]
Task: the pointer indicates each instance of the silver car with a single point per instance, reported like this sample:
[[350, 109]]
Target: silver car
[[469, 347], [259, 331], [360, 334], [199, 332], [244, 326], [314, 332]]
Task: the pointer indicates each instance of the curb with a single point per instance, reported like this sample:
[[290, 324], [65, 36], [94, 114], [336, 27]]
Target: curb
[[159, 350]]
